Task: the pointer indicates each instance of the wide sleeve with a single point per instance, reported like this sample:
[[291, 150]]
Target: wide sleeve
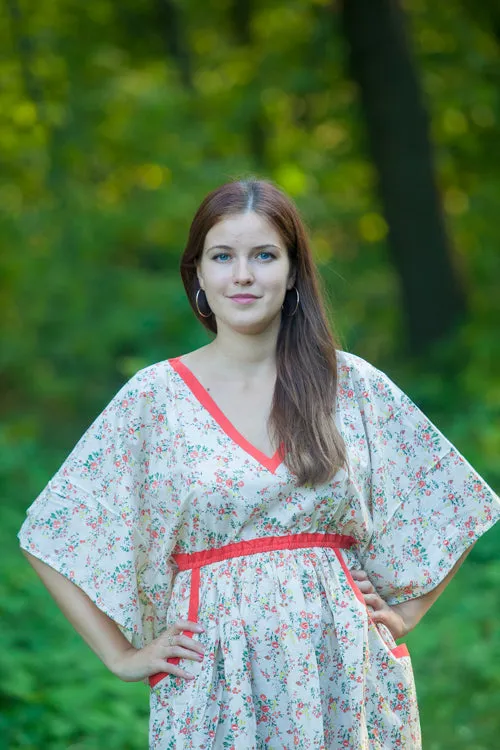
[[426, 502], [99, 521]]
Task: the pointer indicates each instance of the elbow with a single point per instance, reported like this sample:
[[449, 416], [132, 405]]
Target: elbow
[[29, 557]]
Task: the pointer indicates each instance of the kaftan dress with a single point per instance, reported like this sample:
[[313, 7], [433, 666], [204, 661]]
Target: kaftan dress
[[163, 511]]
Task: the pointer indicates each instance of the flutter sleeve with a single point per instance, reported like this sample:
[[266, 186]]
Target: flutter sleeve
[[427, 503], [98, 520]]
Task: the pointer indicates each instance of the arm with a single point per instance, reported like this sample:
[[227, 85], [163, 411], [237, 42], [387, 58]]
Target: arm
[[105, 638], [413, 610], [402, 618], [96, 628]]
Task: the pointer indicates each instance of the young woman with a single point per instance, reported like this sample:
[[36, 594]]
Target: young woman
[[249, 526]]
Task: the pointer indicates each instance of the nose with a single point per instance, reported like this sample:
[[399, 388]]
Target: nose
[[242, 273]]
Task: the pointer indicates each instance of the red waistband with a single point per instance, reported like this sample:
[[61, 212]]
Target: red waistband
[[188, 560], [196, 560]]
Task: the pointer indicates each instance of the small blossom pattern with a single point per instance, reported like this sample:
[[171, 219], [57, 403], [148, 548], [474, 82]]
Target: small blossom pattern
[[292, 657]]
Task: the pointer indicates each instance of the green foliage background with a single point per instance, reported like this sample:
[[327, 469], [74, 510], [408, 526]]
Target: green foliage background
[[114, 124]]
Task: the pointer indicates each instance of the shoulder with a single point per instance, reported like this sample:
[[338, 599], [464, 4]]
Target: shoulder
[[156, 375], [147, 389], [354, 366], [361, 370], [371, 388]]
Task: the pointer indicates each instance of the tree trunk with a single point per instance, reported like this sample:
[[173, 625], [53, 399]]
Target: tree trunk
[[398, 131], [241, 17], [170, 18]]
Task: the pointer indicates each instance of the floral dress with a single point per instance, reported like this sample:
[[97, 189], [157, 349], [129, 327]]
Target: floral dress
[[163, 511]]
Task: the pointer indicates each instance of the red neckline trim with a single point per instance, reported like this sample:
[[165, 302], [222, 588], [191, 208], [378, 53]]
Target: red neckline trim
[[206, 400]]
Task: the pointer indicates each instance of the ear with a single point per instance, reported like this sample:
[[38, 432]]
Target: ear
[[200, 277], [291, 279]]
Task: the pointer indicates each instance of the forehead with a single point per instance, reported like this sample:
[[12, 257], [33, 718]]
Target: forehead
[[242, 230]]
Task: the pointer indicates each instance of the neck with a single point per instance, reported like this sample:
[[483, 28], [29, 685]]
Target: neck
[[241, 355]]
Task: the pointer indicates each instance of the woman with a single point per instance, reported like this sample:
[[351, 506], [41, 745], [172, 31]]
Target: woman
[[248, 527]]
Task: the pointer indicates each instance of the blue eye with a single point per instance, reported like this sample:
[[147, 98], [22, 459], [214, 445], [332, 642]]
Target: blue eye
[[223, 257]]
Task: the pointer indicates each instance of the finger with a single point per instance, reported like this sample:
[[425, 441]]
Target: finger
[[374, 601], [189, 643], [173, 633], [168, 638], [366, 587], [183, 653], [179, 645], [359, 575], [172, 669], [384, 618], [181, 625], [167, 642]]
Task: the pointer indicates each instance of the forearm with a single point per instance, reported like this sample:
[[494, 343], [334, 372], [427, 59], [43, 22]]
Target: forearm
[[413, 610], [98, 630]]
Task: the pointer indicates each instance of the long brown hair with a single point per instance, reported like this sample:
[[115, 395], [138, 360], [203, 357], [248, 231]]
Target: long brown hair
[[303, 407]]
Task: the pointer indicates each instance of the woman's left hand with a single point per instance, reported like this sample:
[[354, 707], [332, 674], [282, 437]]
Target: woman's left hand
[[380, 611]]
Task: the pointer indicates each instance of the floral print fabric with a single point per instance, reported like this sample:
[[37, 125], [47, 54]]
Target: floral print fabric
[[292, 657]]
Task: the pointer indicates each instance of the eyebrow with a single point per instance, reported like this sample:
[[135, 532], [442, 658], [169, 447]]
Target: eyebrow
[[228, 247]]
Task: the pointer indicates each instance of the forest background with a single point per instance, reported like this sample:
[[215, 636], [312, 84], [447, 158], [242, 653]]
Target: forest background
[[382, 121]]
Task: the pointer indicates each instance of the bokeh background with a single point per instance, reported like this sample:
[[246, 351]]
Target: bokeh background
[[382, 120]]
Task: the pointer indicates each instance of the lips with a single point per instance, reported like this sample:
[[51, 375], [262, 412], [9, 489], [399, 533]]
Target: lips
[[244, 296]]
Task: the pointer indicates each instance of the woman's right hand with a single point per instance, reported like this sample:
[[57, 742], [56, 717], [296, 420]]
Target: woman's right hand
[[138, 664]]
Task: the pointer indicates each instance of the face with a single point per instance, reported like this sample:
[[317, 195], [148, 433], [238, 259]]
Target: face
[[245, 272]]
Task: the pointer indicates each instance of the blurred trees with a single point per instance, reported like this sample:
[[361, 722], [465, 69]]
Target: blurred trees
[[398, 129], [115, 121]]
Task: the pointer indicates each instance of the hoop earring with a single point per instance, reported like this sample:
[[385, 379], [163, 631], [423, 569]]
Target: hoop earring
[[203, 315], [290, 315]]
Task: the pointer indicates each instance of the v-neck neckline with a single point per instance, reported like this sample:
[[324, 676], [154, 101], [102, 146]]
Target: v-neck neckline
[[203, 396]]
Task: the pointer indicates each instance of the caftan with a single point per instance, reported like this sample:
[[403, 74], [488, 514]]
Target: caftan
[[163, 511]]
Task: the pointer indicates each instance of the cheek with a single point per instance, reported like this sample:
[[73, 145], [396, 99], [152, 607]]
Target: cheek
[[277, 282], [216, 279]]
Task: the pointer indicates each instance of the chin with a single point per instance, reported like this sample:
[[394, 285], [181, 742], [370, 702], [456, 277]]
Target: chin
[[251, 327]]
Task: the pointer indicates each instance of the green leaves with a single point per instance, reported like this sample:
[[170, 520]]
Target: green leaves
[[54, 692], [112, 130]]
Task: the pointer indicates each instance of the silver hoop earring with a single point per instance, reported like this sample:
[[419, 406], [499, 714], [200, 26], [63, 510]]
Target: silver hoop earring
[[290, 315], [203, 315]]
